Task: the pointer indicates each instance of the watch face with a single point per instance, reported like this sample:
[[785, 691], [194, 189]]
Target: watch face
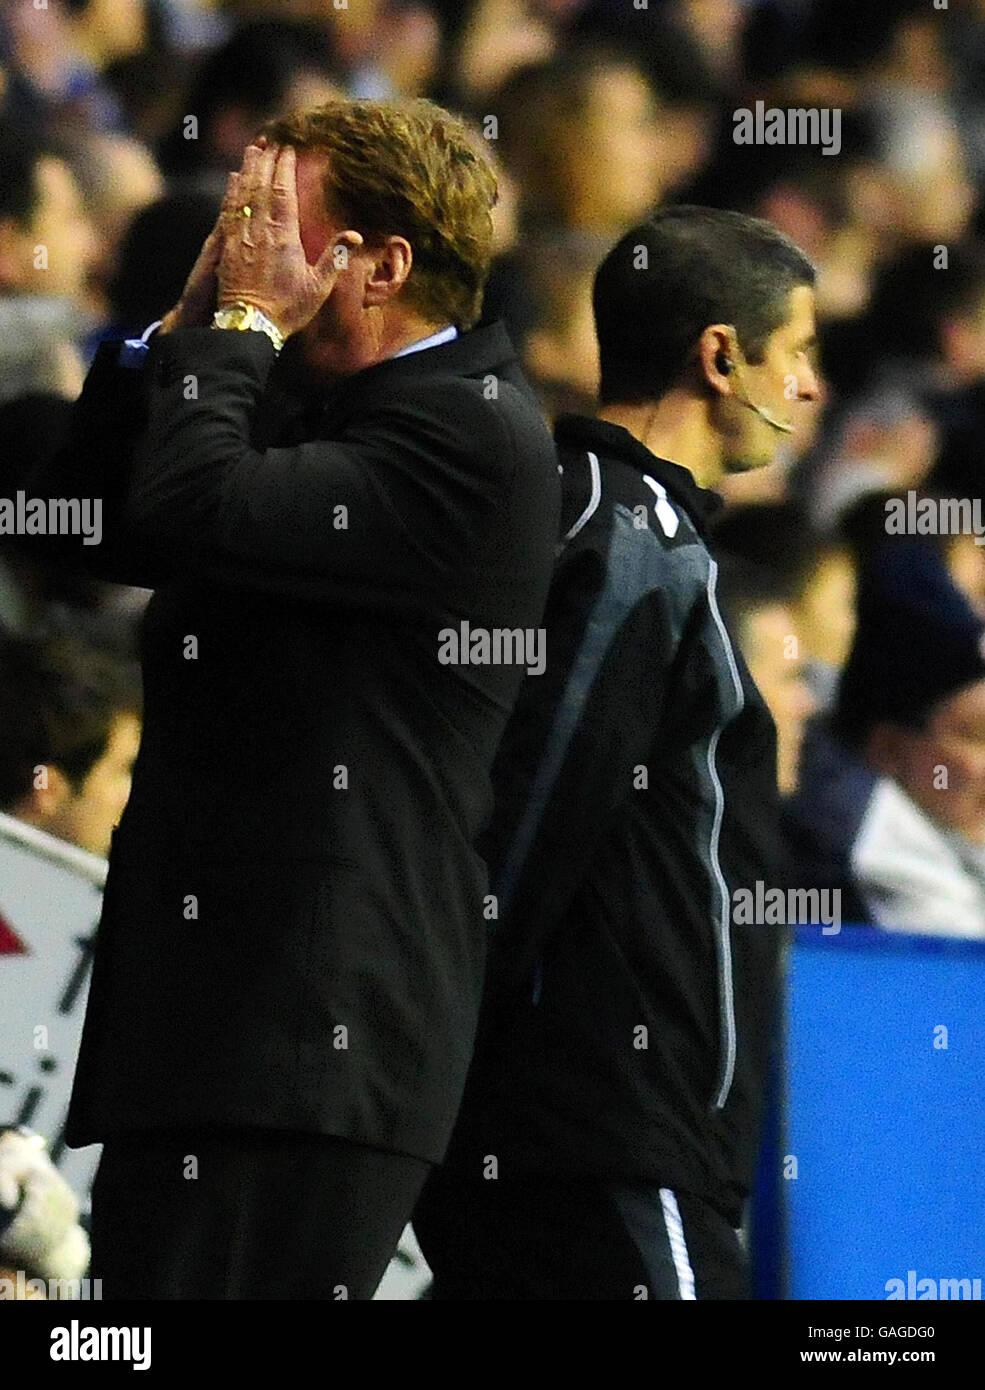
[[237, 316]]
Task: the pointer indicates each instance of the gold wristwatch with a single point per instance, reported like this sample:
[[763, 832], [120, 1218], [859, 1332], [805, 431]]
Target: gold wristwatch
[[248, 316]]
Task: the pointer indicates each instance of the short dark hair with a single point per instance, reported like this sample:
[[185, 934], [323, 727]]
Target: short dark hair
[[58, 700], [931, 296], [775, 537], [537, 104], [661, 286], [745, 586]]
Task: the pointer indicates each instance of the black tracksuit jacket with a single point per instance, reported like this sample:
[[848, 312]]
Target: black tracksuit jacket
[[627, 1020]]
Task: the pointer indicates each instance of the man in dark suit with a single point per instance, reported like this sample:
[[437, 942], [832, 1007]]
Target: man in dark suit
[[288, 970]]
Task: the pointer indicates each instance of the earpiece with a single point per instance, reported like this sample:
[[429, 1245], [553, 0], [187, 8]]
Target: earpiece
[[726, 366]]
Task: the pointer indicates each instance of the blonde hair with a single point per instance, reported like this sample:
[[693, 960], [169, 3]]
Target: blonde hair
[[407, 168]]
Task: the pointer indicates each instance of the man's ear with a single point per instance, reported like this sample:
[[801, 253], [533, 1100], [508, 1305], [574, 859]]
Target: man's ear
[[388, 272], [716, 357], [41, 804]]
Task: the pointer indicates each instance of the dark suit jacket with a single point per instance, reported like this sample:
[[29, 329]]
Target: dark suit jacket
[[293, 925]]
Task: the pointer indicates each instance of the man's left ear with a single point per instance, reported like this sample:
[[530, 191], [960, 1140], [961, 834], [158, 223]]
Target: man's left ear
[[716, 357], [389, 271]]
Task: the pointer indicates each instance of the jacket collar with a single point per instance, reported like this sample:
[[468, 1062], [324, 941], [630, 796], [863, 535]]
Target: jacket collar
[[480, 351], [614, 441]]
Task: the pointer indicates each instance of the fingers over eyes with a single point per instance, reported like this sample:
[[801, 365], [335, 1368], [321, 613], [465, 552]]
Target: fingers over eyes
[[284, 189], [231, 201], [256, 177]]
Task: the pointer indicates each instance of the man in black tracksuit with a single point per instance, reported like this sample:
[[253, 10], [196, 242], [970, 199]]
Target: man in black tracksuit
[[609, 1130]]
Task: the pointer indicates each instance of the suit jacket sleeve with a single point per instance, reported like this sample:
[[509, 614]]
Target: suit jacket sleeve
[[381, 514], [95, 462]]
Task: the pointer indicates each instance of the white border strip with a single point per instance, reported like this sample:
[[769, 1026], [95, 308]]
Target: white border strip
[[90, 866]]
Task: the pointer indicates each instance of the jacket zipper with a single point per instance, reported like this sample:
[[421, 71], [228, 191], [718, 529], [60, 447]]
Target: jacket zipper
[[723, 936]]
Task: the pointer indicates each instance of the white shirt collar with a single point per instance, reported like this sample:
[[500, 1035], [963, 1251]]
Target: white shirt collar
[[444, 335]]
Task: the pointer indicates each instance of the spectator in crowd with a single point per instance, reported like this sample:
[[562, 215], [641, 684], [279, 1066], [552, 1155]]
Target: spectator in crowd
[[47, 248], [46, 585], [965, 558], [582, 138], [103, 31], [909, 92], [891, 805], [887, 441], [811, 574], [938, 345], [864, 530], [385, 48], [508, 290], [62, 49], [264, 68], [159, 249], [32, 427], [910, 391], [824, 615], [496, 37], [761, 615], [117, 176], [70, 715]]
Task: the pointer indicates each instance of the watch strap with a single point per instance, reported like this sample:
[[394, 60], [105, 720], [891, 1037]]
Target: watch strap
[[252, 318]]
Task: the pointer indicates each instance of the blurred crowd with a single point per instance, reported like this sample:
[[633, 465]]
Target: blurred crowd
[[119, 120]]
